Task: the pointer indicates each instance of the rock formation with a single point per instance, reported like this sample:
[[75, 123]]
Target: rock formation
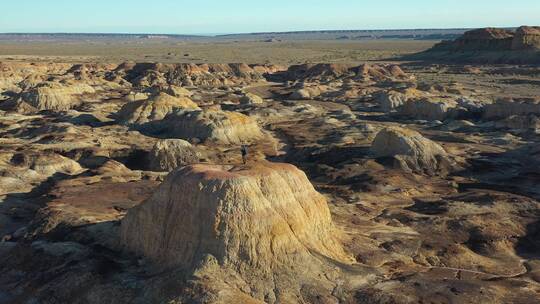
[[506, 107], [251, 98], [186, 74], [411, 151], [527, 38], [390, 100], [491, 45], [53, 96], [216, 126], [489, 39], [331, 72], [167, 154], [155, 108], [429, 109], [264, 222]]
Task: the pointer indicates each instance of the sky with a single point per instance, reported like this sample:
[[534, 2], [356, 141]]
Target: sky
[[245, 16]]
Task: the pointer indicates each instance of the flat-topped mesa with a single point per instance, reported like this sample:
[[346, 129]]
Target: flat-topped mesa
[[215, 126], [494, 39], [156, 107], [252, 218]]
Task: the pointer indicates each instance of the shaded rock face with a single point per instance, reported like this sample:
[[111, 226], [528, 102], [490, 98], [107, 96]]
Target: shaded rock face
[[168, 154], [527, 38], [256, 221], [507, 107], [154, 108], [520, 123], [411, 151], [217, 126]]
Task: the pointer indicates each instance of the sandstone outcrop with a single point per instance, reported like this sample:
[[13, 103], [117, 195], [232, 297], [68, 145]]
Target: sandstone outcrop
[[251, 98], [429, 109], [155, 108], [527, 38], [167, 154], [216, 126], [331, 72], [490, 45], [53, 96], [390, 100], [506, 107], [411, 151], [264, 222], [186, 74]]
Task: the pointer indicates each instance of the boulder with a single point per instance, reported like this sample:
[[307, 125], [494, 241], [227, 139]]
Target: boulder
[[167, 154], [410, 151]]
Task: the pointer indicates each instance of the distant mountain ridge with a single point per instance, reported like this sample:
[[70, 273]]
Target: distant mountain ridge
[[416, 34]]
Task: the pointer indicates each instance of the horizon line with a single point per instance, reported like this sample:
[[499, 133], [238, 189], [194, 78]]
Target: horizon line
[[245, 33]]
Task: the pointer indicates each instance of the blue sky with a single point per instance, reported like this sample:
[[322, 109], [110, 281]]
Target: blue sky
[[236, 16]]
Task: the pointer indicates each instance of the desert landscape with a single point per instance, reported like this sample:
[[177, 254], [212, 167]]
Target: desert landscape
[[381, 167]]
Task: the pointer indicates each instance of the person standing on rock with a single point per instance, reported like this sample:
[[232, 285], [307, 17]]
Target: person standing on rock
[[244, 150]]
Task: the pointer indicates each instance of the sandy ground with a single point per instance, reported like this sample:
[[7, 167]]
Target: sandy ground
[[285, 52]]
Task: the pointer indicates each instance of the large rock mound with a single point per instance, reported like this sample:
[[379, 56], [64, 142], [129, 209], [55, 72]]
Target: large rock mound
[[265, 224], [217, 126], [411, 151], [52, 96], [259, 216], [155, 108], [167, 154]]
